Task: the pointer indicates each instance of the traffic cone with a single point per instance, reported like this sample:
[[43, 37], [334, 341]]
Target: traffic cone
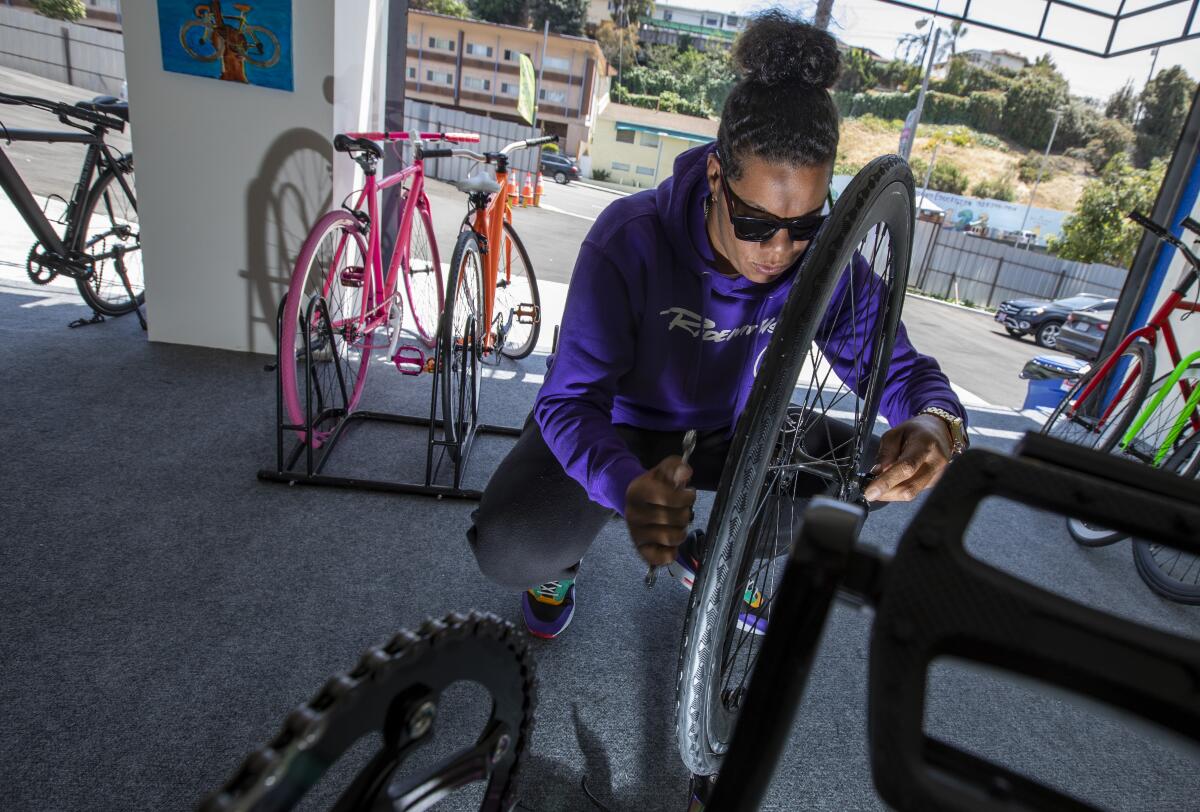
[[514, 197], [538, 190], [527, 190]]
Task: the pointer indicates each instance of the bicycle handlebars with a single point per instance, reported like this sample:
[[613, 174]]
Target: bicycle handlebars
[[457, 138], [484, 157], [1169, 238], [63, 111]]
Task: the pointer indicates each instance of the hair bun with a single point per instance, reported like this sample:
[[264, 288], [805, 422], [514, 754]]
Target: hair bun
[[779, 49]]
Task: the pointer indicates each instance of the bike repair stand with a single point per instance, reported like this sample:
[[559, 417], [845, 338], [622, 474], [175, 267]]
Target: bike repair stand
[[327, 417]]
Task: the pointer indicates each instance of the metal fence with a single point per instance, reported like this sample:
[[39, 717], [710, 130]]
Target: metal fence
[[65, 52], [493, 135], [966, 267]]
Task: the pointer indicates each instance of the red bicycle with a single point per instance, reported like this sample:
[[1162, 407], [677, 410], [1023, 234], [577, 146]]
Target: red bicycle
[[1100, 408]]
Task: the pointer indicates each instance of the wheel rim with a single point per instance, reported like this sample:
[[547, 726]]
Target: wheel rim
[[464, 306], [1099, 420], [340, 350], [1176, 571], [517, 311], [1050, 335], [112, 226], [807, 457], [423, 279]]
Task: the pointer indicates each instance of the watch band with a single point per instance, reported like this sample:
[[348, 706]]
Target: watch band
[[958, 431]]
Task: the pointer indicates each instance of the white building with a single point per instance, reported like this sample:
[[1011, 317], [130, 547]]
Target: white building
[[669, 23], [995, 59]]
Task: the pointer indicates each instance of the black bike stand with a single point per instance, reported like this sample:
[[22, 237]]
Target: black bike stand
[[327, 411]]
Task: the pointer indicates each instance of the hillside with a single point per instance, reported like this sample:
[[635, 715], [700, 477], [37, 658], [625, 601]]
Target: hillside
[[988, 158]]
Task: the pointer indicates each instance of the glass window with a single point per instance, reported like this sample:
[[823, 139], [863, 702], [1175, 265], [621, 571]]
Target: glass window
[[413, 38], [553, 96], [412, 73], [441, 44], [625, 136], [512, 56], [475, 49], [731, 20], [508, 89], [667, 16], [650, 140], [620, 167], [646, 170], [712, 21], [557, 63], [475, 83], [439, 76]]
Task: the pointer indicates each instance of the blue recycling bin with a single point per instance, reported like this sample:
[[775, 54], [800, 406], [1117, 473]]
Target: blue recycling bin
[[1050, 379]]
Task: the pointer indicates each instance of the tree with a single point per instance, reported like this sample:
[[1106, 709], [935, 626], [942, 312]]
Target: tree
[[69, 10], [1078, 124], [617, 44], [1165, 103], [1099, 231], [452, 8], [1028, 119], [1113, 137], [824, 12], [1121, 104], [858, 72], [957, 32], [506, 12], [565, 16], [631, 12]]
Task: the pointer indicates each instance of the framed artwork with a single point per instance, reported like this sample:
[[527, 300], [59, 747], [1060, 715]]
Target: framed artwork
[[235, 42]]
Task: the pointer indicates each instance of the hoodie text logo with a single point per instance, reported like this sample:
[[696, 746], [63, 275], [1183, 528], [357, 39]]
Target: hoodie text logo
[[706, 329]]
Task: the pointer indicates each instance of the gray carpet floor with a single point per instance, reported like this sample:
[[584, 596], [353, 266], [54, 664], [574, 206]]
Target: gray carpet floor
[[161, 610]]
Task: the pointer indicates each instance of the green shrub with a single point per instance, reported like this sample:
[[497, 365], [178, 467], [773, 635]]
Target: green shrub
[[943, 108], [1027, 106], [601, 174], [946, 177], [68, 10], [550, 148], [1027, 168], [986, 110], [999, 189]]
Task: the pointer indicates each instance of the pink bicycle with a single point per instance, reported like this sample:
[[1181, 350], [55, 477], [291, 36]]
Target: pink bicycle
[[341, 261]]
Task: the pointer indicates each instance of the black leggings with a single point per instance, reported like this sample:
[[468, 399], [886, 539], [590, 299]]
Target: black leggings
[[534, 522]]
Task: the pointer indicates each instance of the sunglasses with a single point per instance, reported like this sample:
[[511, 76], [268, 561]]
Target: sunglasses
[[761, 229]]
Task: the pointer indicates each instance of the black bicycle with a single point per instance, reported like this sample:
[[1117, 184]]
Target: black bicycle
[[101, 246], [854, 275]]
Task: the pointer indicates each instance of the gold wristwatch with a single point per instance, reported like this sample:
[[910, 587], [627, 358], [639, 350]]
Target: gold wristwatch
[[958, 431]]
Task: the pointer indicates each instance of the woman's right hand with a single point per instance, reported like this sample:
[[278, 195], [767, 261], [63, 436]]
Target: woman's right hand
[[658, 510]]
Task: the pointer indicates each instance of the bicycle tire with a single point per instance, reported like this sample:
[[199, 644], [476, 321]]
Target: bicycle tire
[[1089, 535], [187, 48], [96, 287], [528, 289], [423, 275], [412, 668], [460, 364], [1151, 559], [882, 193], [271, 60], [344, 229]]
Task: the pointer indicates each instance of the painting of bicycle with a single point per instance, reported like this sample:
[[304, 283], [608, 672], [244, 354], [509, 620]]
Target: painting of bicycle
[[235, 42]]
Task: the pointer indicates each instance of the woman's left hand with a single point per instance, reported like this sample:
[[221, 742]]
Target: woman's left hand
[[912, 457]]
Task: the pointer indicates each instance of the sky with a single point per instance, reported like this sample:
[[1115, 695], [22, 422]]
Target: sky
[[877, 25]]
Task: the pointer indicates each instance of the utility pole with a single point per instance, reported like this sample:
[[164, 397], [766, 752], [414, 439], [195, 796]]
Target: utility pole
[[921, 96], [1058, 114], [537, 90], [824, 12], [1149, 79]]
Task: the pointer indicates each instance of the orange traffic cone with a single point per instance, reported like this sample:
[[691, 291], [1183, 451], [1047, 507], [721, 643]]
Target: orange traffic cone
[[527, 190], [538, 190], [514, 197]]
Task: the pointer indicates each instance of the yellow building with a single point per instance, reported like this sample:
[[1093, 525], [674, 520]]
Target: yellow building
[[473, 66], [638, 147]]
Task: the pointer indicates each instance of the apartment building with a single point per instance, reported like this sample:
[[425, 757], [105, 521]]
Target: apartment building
[[638, 147], [995, 59], [669, 24], [474, 66]]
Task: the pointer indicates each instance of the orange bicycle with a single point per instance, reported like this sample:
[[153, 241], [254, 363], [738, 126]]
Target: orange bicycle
[[492, 307]]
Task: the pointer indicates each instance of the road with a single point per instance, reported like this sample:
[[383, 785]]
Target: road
[[977, 356]]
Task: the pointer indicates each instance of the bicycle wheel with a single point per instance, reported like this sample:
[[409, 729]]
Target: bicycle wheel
[[196, 39], [423, 275], [393, 695], [1172, 573], [517, 311], [266, 53], [460, 358], [1100, 420], [331, 264], [850, 287], [109, 231], [1087, 534]]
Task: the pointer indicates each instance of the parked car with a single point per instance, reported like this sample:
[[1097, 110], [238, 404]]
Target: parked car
[[559, 167], [1084, 332], [1042, 319]]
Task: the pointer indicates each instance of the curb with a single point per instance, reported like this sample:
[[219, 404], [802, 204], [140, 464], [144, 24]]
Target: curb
[[608, 189], [948, 304]]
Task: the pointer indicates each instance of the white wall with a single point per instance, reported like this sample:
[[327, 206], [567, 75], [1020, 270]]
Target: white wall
[[230, 177]]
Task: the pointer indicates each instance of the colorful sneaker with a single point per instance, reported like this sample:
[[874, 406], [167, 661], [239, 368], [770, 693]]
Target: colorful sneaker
[[684, 567], [548, 608]]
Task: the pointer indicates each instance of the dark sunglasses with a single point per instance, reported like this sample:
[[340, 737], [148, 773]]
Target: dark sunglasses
[[761, 229]]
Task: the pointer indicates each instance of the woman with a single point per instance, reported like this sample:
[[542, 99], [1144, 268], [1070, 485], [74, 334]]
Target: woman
[[669, 307]]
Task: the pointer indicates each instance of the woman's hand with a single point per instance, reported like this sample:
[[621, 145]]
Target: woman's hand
[[658, 510], [912, 457]]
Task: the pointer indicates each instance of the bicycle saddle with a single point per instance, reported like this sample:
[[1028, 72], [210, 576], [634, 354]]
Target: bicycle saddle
[[480, 182], [109, 105], [344, 143]]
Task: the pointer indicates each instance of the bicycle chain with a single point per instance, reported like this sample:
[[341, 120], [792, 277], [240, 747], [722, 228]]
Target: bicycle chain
[[305, 725]]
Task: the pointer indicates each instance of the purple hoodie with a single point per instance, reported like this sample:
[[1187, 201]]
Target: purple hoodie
[[653, 336]]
